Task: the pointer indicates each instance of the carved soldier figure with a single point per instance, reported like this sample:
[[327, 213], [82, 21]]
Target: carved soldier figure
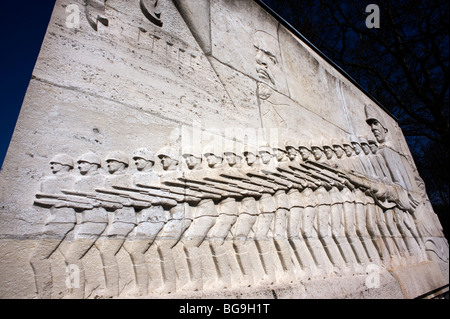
[[400, 176], [228, 209], [378, 162], [337, 207], [373, 222], [280, 231], [273, 207], [296, 207], [310, 234], [121, 221], [92, 222], [323, 211], [204, 218], [352, 203], [150, 220], [60, 222], [362, 166], [178, 221], [381, 173], [246, 252], [361, 147], [393, 160]]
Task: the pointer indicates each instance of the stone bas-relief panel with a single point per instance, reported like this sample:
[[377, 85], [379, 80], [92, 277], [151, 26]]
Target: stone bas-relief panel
[[160, 154], [231, 219]]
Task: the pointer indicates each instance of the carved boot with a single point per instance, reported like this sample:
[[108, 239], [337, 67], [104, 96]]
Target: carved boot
[[264, 248], [195, 269], [208, 266], [304, 258], [221, 262], [323, 264], [154, 267], [284, 254], [245, 263]]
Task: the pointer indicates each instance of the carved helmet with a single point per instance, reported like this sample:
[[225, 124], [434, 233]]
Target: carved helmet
[[278, 148], [336, 142], [196, 153], [145, 154], [90, 158], [249, 148], [354, 140], [372, 114], [371, 140], [62, 159], [345, 141], [290, 144], [362, 140], [316, 144], [304, 144], [118, 156], [213, 149], [169, 152], [233, 148], [326, 143], [265, 149]]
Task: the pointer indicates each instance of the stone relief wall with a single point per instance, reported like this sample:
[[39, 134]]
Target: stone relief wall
[[200, 146]]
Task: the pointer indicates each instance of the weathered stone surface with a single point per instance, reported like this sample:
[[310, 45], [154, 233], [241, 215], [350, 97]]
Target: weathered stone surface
[[195, 149]]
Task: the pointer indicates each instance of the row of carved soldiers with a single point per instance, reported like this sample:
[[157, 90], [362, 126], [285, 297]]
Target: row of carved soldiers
[[314, 214], [371, 163]]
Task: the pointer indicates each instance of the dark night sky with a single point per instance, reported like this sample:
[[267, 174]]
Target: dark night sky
[[23, 26]]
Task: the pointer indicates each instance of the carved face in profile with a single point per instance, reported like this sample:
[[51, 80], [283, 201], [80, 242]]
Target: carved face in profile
[[58, 167], [304, 152], [373, 147], [265, 157], [250, 158], [142, 163], [348, 149], [279, 155], [328, 152], [231, 158], [192, 161], [212, 160], [317, 153], [267, 61], [366, 149], [86, 167], [167, 162], [338, 150], [114, 166], [291, 152], [378, 130], [357, 148]]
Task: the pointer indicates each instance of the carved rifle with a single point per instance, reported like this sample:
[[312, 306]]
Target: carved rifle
[[140, 201], [289, 176], [335, 173], [59, 200], [282, 184], [108, 202], [314, 174], [326, 170], [302, 176], [201, 191], [267, 186], [156, 191], [246, 189], [231, 191], [317, 165]]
